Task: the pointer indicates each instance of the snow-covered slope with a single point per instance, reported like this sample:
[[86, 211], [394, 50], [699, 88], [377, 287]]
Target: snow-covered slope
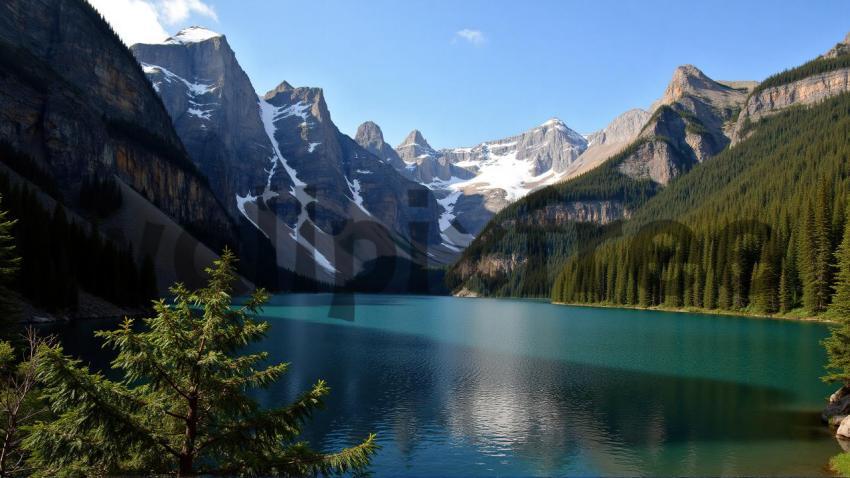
[[280, 165], [471, 184]]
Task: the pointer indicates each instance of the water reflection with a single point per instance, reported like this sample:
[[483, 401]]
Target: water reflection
[[464, 390]]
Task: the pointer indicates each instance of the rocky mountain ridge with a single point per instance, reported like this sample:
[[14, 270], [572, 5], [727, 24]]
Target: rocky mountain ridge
[[282, 166]]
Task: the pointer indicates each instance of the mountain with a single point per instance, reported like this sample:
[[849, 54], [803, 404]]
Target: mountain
[[214, 109], [755, 229], [740, 231], [471, 184], [690, 123], [371, 138], [282, 167], [608, 141], [79, 119], [823, 77]]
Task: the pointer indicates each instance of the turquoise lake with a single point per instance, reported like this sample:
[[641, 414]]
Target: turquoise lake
[[483, 387]]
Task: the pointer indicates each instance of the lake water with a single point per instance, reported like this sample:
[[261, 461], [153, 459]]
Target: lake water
[[462, 387]]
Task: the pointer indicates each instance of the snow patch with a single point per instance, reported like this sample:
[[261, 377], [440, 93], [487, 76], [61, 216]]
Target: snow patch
[[448, 214], [354, 187], [192, 35], [193, 89], [300, 109], [241, 201], [269, 113], [312, 147], [203, 114]]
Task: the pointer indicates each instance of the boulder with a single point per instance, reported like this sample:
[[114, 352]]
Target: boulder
[[839, 405], [843, 432]]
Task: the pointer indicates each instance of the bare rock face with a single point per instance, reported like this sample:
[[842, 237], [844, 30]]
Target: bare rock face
[[690, 81], [214, 109], [73, 97], [473, 183], [414, 148], [598, 212], [282, 166], [370, 137], [807, 91], [690, 124], [804, 92], [603, 144]]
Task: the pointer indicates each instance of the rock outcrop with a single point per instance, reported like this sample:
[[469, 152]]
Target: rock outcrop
[[808, 91], [812, 89], [603, 144], [472, 184], [370, 137], [691, 123]]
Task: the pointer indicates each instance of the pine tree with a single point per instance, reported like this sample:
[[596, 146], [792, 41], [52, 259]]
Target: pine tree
[[182, 405], [9, 266], [789, 282], [840, 306], [816, 254]]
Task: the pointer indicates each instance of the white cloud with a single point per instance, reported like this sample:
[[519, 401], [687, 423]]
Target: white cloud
[[475, 37], [176, 11], [145, 21]]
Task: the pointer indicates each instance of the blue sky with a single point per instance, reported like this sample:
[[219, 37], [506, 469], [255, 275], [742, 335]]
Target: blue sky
[[404, 65]]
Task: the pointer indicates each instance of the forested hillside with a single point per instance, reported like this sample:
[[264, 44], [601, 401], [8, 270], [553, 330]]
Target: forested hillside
[[755, 229], [525, 229]]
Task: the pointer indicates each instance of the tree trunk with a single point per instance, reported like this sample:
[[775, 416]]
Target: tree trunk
[[187, 453]]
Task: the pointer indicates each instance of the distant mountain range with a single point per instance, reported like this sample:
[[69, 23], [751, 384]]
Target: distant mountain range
[[175, 135], [522, 250]]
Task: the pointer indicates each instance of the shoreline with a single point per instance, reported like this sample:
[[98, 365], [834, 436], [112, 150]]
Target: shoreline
[[682, 310]]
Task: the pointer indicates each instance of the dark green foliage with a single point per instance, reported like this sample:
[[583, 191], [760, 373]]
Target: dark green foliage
[[100, 196], [28, 169], [10, 264], [516, 232], [59, 256], [183, 404], [755, 228], [814, 67], [840, 306]]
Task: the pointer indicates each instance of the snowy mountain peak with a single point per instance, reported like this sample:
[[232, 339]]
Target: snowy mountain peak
[[554, 121], [193, 34]]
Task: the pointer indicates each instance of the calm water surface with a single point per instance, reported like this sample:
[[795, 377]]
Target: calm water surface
[[460, 387]]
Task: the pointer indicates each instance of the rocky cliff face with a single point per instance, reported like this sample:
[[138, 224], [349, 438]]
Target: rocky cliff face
[[603, 144], [214, 109], [772, 100], [691, 123], [471, 184], [73, 98], [598, 212], [281, 165], [371, 138], [807, 91]]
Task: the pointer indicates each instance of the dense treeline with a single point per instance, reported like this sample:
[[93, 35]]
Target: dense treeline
[[755, 229], [100, 196], [544, 248], [59, 256], [813, 67]]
